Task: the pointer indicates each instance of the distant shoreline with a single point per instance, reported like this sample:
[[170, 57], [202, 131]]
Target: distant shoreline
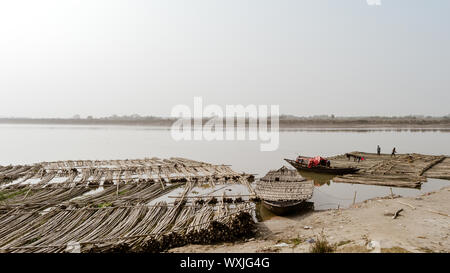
[[430, 123]]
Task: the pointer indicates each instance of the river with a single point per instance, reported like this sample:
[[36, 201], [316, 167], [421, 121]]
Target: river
[[26, 144]]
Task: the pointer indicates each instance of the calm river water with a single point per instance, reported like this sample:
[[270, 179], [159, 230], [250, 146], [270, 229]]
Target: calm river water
[[24, 144]]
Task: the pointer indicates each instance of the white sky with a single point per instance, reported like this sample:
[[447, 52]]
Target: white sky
[[104, 57]]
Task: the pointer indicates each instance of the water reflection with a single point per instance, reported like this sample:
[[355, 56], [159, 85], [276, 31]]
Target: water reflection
[[341, 195], [319, 178]]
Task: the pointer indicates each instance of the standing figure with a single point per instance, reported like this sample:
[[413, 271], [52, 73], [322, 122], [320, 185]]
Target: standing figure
[[393, 152], [378, 150]]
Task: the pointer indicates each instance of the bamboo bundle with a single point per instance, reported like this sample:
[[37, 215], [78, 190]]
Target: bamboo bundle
[[104, 225], [11, 173], [438, 169], [70, 201], [382, 180], [403, 170]]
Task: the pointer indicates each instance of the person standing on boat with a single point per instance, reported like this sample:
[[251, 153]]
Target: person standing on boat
[[378, 150], [393, 152]]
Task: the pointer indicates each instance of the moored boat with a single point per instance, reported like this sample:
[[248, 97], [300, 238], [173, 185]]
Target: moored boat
[[284, 191], [286, 207], [303, 165]]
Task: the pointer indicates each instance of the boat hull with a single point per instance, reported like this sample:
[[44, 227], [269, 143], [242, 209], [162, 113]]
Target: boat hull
[[288, 207], [322, 169]]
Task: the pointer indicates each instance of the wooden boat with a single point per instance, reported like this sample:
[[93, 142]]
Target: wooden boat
[[287, 207], [284, 191], [321, 168]]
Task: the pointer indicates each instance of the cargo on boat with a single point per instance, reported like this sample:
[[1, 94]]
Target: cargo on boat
[[284, 191], [306, 164]]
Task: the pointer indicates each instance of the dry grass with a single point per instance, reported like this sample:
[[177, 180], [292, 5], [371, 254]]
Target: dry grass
[[321, 245], [353, 249], [425, 250], [341, 243], [269, 250], [395, 249], [292, 241]]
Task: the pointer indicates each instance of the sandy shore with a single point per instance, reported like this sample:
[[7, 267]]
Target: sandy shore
[[423, 226]]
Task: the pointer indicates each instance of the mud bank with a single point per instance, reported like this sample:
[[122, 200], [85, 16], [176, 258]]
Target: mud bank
[[422, 226]]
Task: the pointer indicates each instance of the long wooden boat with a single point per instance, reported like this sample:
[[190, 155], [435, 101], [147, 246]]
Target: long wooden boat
[[284, 191], [322, 169]]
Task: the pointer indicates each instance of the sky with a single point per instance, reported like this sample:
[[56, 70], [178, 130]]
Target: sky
[[105, 57]]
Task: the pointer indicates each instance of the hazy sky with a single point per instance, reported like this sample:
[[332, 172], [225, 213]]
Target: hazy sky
[[104, 57]]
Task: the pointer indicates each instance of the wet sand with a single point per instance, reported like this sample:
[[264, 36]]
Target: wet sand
[[423, 226]]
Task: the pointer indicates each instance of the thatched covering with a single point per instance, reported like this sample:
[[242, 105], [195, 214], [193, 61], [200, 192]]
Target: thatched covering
[[284, 185], [283, 174]]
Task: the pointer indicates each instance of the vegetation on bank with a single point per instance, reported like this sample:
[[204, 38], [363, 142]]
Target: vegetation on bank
[[321, 245]]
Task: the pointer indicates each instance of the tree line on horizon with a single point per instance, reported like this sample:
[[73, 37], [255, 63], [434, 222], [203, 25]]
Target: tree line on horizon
[[281, 117], [284, 120]]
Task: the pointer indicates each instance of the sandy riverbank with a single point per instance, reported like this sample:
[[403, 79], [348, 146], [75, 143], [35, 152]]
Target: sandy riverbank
[[423, 226]]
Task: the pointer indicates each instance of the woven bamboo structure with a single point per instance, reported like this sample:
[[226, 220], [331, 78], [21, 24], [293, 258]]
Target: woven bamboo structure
[[103, 206], [402, 170], [284, 185]]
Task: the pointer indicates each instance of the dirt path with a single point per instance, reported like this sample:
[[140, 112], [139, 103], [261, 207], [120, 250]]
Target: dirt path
[[423, 226]]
